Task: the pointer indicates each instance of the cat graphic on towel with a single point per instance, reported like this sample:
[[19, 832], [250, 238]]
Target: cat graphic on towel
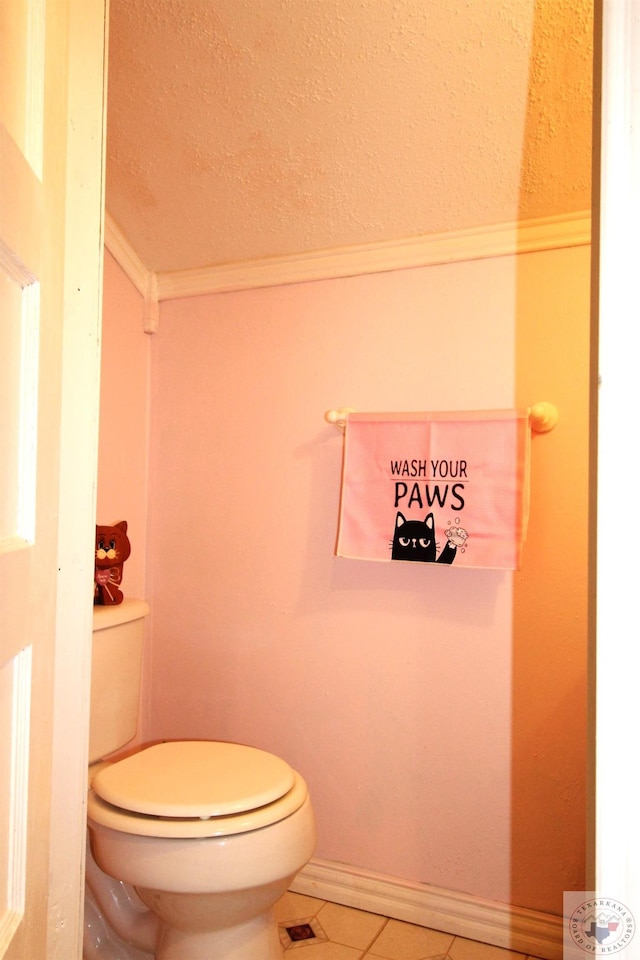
[[416, 540]]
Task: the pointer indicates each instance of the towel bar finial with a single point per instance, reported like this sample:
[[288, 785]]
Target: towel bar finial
[[339, 417], [544, 416]]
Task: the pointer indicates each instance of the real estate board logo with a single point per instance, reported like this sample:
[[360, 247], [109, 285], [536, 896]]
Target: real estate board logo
[[601, 926]]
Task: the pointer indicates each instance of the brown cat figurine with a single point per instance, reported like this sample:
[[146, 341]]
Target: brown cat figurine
[[112, 549]]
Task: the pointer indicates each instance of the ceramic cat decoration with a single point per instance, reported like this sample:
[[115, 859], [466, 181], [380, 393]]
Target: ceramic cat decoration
[[112, 549], [415, 540]]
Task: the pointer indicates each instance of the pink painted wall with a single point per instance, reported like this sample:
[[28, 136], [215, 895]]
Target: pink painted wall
[[390, 688], [423, 706], [124, 398]]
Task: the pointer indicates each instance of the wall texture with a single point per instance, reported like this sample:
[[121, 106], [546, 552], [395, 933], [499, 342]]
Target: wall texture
[[549, 643], [124, 396], [437, 714]]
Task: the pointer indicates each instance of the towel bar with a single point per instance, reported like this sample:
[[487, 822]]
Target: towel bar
[[543, 416]]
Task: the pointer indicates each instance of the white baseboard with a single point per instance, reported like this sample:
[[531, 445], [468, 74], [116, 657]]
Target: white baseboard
[[487, 921]]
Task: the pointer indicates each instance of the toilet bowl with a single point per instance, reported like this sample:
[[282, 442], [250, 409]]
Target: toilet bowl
[[209, 835]]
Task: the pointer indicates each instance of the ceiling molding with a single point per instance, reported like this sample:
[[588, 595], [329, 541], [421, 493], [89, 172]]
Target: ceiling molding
[[122, 251], [145, 281], [548, 233]]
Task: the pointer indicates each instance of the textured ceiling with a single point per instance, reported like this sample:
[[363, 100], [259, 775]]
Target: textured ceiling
[[244, 129]]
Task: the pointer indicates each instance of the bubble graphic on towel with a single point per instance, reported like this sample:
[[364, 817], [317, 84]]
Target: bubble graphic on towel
[[457, 534]]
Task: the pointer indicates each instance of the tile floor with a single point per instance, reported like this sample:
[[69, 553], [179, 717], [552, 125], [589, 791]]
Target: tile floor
[[312, 929]]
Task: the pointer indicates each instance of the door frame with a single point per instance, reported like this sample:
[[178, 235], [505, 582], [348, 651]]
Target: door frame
[[617, 654], [85, 136], [616, 278]]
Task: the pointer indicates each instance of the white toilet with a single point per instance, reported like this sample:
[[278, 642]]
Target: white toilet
[[210, 834]]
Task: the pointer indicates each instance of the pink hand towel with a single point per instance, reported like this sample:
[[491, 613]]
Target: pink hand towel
[[449, 488]]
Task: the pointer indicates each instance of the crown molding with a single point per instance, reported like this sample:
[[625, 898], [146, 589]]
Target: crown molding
[[456, 246], [478, 243], [122, 251], [145, 281]]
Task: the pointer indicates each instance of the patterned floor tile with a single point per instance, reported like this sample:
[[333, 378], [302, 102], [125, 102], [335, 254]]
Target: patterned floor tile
[[406, 941], [353, 928]]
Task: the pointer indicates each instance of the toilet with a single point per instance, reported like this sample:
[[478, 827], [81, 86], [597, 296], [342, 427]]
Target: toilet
[[195, 840]]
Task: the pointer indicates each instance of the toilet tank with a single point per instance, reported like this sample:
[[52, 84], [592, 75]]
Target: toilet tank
[[116, 669]]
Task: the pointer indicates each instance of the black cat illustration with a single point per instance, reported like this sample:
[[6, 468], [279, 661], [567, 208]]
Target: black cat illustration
[[415, 540]]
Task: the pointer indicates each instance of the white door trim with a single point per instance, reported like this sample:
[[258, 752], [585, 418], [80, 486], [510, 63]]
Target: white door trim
[[617, 659], [78, 473]]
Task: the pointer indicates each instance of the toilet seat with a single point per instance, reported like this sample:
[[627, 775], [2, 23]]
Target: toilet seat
[[194, 778], [194, 788]]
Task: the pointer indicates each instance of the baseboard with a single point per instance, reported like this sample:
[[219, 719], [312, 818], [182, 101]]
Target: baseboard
[[487, 921]]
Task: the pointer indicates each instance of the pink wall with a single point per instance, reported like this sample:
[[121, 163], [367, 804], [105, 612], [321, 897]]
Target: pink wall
[[390, 688], [549, 737], [437, 714], [124, 397]]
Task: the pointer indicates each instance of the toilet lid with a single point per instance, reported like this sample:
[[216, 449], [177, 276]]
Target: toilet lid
[[194, 778]]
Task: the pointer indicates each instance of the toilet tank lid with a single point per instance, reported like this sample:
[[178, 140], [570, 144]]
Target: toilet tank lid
[[114, 614], [194, 778]]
